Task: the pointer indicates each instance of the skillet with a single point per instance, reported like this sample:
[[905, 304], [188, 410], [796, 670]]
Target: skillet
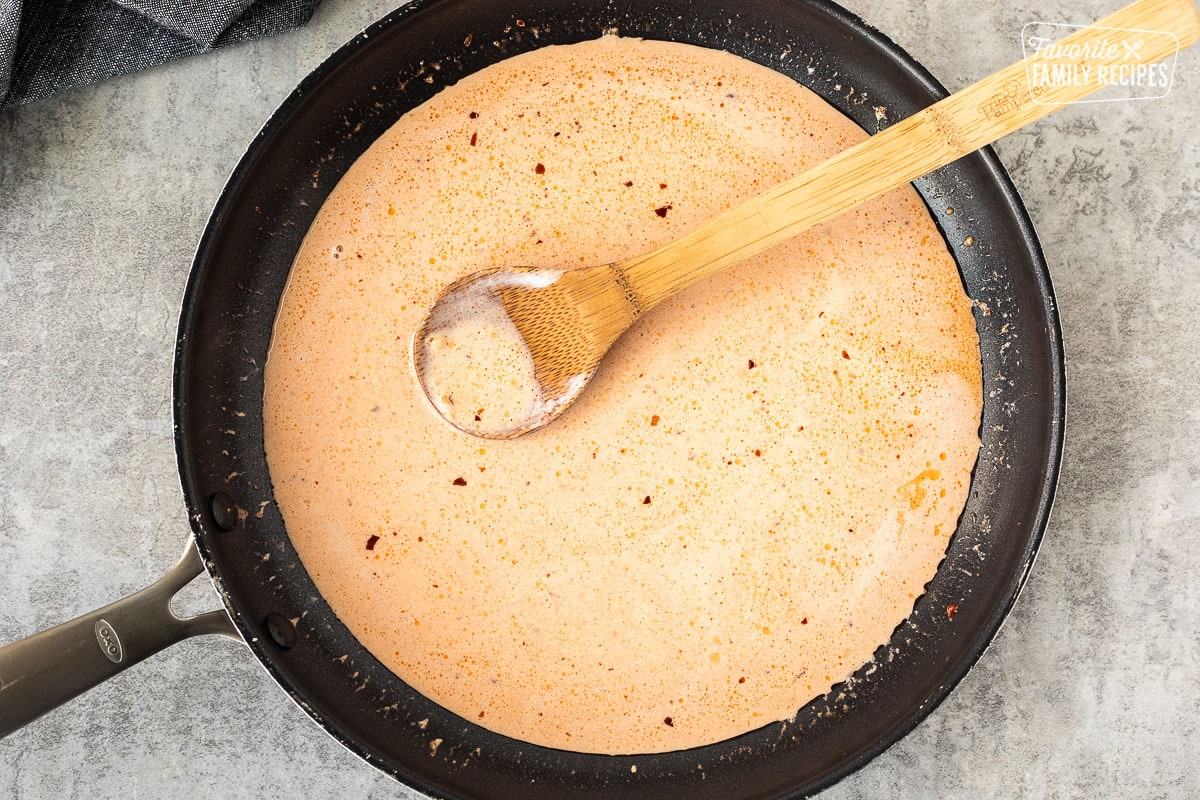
[[236, 281]]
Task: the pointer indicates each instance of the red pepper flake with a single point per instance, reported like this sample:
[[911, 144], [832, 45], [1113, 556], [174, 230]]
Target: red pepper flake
[[371, 542], [662, 211], [467, 43], [460, 482], [654, 420], [540, 169], [474, 138], [758, 453], [628, 183], [474, 115], [670, 723], [420, 538], [662, 186], [951, 610], [752, 364], [741, 680], [804, 621], [845, 355], [646, 502], [520, 23], [478, 418]]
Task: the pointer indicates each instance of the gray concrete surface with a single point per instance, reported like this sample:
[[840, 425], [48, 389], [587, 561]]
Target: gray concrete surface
[[1090, 690]]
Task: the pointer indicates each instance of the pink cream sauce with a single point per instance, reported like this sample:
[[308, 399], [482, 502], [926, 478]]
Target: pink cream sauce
[[751, 495]]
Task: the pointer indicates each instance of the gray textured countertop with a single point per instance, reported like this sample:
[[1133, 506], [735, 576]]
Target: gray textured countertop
[[1089, 690]]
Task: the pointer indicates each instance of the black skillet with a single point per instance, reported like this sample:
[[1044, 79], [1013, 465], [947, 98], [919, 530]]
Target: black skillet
[[229, 308]]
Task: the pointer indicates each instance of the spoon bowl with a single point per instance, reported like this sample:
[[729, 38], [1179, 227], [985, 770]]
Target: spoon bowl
[[505, 351]]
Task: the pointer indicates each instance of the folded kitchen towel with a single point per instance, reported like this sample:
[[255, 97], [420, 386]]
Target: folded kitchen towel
[[48, 46]]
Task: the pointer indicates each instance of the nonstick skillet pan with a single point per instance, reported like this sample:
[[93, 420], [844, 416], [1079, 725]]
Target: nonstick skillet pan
[[237, 279]]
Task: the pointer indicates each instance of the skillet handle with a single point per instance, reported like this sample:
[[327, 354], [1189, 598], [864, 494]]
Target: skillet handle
[[43, 671]]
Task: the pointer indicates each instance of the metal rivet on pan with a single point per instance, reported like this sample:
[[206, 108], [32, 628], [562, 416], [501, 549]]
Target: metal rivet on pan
[[224, 511], [281, 630]]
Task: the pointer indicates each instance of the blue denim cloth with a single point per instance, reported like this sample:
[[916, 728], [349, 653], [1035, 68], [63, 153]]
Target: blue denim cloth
[[48, 46]]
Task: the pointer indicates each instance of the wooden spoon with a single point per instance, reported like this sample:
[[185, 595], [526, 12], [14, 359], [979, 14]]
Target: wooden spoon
[[504, 351]]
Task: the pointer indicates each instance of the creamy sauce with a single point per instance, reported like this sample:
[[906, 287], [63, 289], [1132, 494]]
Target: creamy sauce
[[758, 484]]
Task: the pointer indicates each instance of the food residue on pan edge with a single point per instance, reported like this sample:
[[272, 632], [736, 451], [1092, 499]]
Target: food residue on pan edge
[[805, 424]]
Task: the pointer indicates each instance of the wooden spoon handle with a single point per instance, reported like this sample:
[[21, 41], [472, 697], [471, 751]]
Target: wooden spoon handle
[[949, 129]]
